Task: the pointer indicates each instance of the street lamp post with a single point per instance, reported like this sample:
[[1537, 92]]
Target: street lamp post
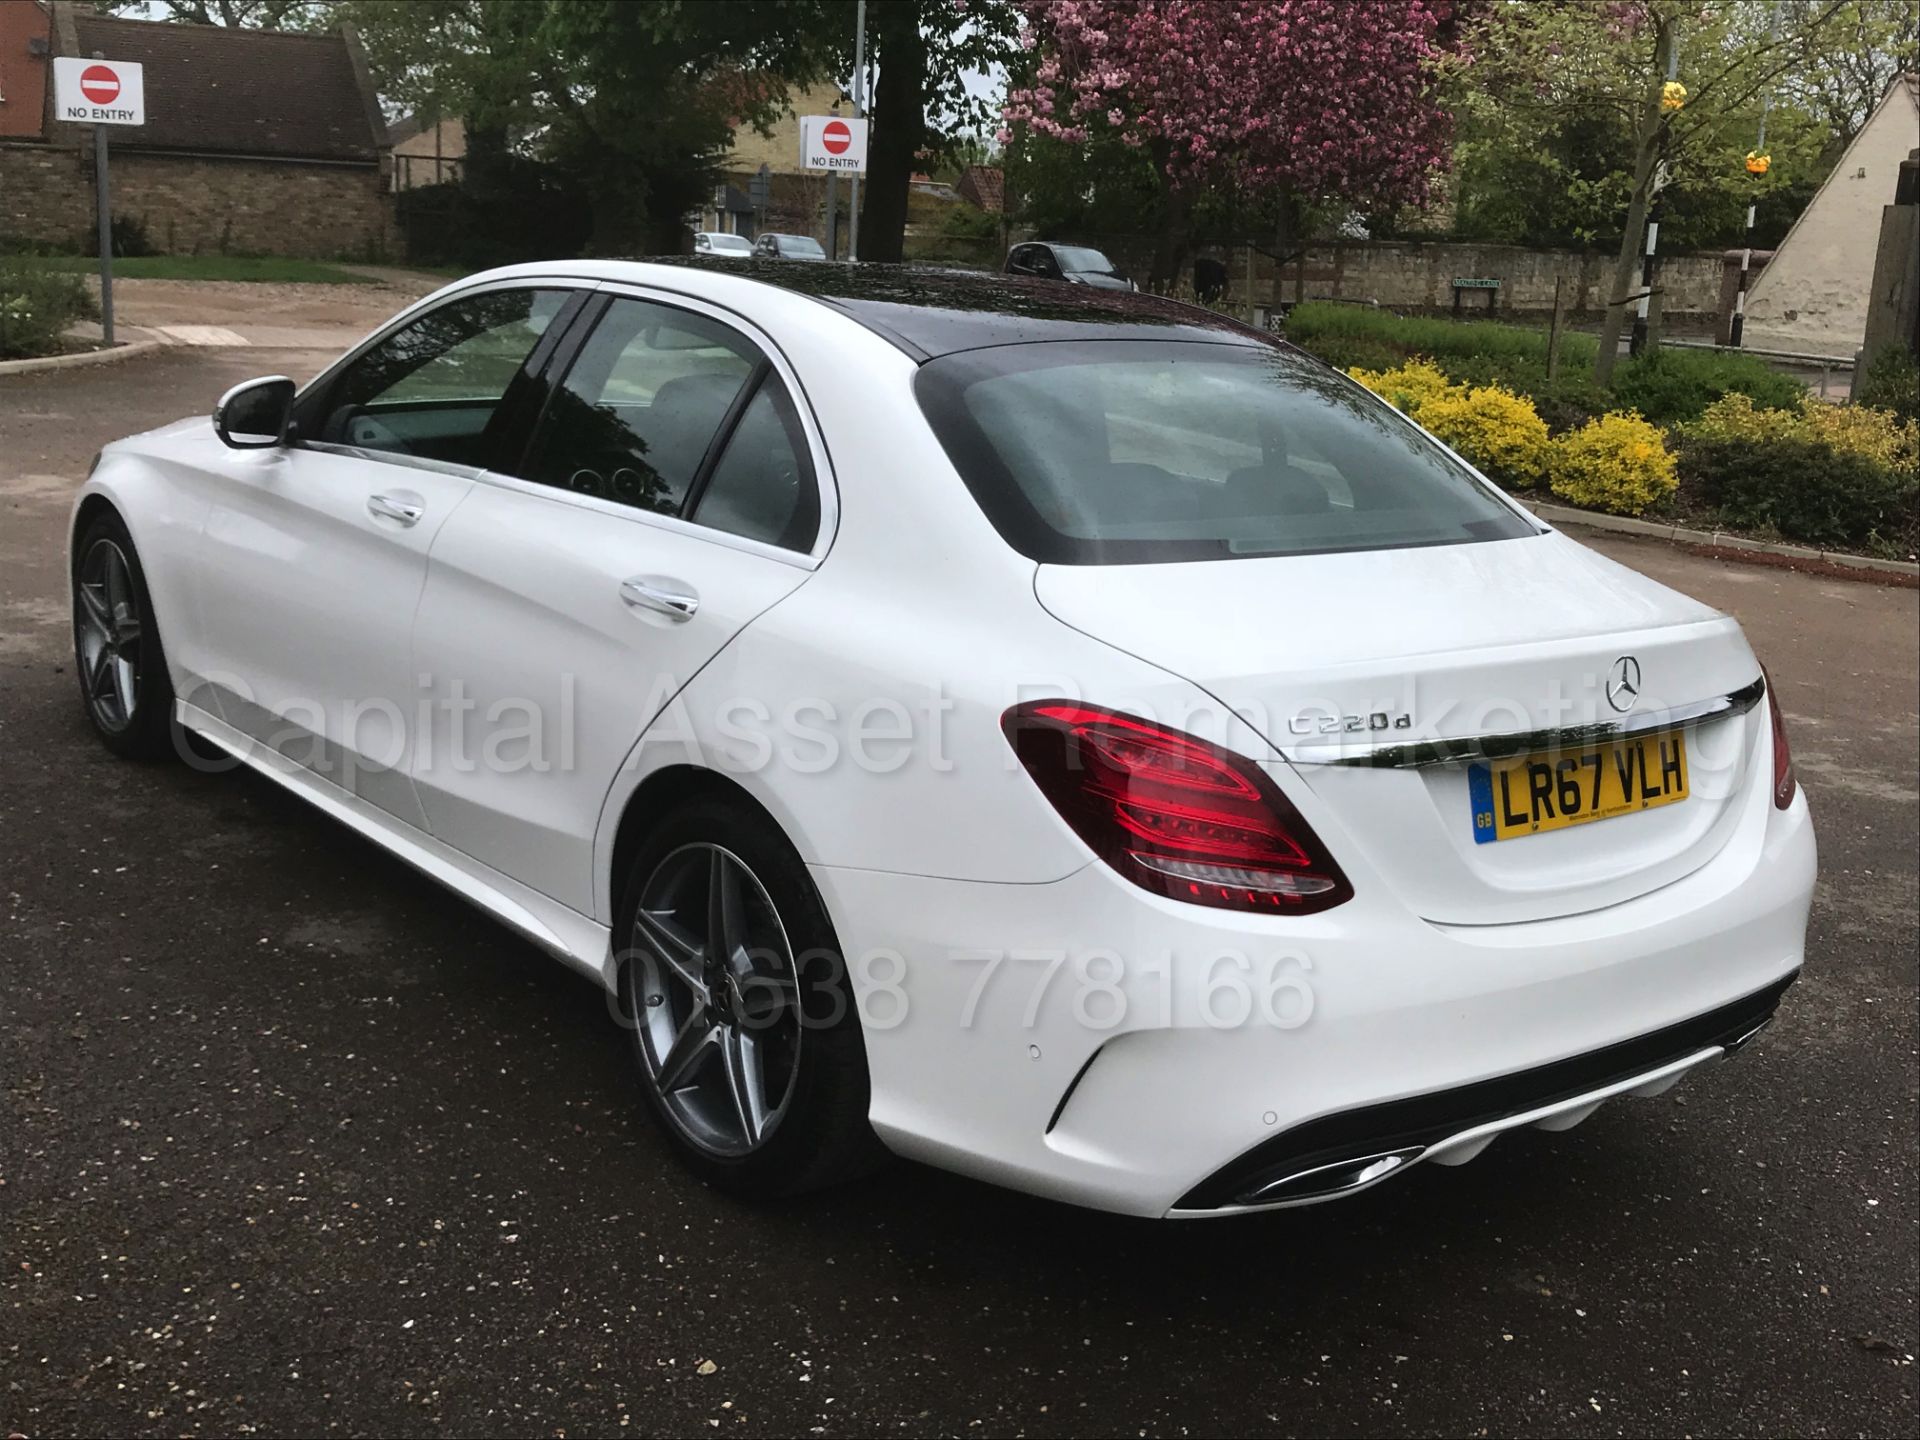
[[1645, 318], [1757, 165]]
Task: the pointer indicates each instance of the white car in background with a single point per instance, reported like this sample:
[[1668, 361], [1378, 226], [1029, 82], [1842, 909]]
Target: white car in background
[[1066, 737], [718, 242]]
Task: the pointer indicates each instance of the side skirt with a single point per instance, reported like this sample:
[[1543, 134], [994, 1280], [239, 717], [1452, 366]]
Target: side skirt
[[578, 940]]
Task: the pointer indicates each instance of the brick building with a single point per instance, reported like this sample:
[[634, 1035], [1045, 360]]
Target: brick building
[[427, 151], [798, 197], [256, 142]]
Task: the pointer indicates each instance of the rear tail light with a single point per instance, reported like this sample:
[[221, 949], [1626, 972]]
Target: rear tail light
[[1783, 781], [1172, 813]]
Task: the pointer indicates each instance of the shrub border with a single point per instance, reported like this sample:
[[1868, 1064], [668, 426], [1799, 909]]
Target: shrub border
[[83, 357], [1719, 540]]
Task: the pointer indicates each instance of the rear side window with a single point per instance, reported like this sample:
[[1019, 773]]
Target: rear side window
[[763, 487], [673, 412], [645, 398], [1123, 452]]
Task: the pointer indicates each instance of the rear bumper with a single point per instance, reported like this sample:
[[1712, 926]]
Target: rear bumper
[[1354, 1150], [1089, 1042]]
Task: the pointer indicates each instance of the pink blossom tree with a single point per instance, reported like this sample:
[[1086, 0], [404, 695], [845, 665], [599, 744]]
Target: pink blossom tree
[[1308, 100]]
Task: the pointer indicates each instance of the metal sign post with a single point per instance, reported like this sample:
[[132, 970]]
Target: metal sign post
[[859, 112], [759, 196], [105, 93], [105, 207], [833, 215]]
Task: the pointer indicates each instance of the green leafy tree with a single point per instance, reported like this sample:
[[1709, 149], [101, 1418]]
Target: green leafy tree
[[259, 14], [1871, 44], [1526, 67], [1062, 189], [636, 103], [1552, 165], [1566, 186], [920, 106]]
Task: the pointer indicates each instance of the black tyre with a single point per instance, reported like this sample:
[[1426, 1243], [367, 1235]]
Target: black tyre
[[740, 1007], [124, 686]]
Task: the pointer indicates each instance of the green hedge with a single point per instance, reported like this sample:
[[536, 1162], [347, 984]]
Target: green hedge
[[1806, 490], [1517, 345], [1668, 387], [1353, 352], [36, 308], [1671, 387]]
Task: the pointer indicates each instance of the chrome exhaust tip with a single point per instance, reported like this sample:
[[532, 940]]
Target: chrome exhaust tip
[[1323, 1182]]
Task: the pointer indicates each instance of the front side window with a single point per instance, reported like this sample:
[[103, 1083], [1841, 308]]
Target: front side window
[[640, 406], [1128, 452], [433, 388]]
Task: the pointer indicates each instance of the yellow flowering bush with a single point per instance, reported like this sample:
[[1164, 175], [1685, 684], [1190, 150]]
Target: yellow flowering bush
[[1876, 435], [1736, 417], [1496, 429], [1408, 387], [1618, 462]]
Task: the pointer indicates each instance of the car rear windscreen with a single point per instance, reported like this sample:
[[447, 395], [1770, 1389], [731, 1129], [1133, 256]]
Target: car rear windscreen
[[1113, 452]]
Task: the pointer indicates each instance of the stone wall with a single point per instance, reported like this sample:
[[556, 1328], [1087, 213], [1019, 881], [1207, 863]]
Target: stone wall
[[46, 193], [1419, 275], [1406, 276], [193, 205]]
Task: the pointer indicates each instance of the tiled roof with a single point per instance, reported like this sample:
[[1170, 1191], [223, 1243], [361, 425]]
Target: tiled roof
[[240, 92], [408, 126], [985, 186]]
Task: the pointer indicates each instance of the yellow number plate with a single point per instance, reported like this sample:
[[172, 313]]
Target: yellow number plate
[[1550, 791]]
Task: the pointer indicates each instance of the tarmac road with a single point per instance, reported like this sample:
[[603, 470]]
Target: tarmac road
[[292, 1141]]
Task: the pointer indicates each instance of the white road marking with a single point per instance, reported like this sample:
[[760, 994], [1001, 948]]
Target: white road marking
[[212, 335]]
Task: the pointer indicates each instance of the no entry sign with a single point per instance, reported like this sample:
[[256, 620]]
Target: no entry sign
[[828, 142], [100, 84], [99, 92]]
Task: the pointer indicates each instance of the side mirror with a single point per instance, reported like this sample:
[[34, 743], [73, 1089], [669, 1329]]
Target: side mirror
[[254, 415]]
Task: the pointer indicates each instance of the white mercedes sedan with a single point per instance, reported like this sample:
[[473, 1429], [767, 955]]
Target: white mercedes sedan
[[1062, 736]]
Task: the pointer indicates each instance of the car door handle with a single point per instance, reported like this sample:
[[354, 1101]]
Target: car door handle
[[389, 508], [657, 592]]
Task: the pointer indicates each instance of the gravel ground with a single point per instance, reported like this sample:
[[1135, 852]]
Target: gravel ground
[[291, 1141], [234, 304]]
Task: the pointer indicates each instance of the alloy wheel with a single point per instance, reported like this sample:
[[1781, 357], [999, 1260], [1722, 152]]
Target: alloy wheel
[[107, 617], [717, 999]]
